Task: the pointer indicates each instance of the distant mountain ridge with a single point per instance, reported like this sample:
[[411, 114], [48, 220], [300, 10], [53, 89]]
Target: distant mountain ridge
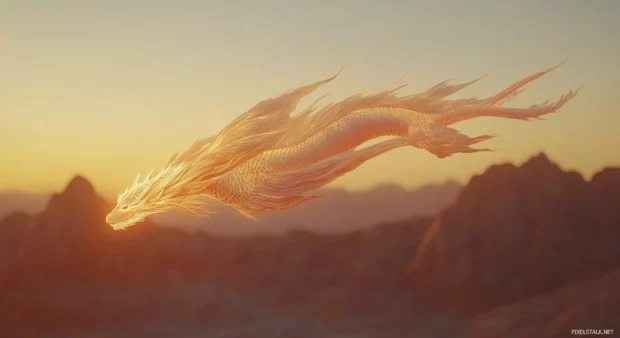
[[519, 231], [17, 201], [341, 210]]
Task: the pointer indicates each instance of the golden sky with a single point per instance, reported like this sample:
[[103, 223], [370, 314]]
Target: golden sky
[[111, 88]]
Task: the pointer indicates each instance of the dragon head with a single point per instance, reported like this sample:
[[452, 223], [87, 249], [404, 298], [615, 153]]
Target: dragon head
[[163, 192], [177, 187]]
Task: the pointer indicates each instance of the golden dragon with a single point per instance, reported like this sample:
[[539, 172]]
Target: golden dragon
[[268, 159]]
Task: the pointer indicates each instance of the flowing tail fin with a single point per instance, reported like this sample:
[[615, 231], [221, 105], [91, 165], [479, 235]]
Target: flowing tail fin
[[517, 87], [525, 114], [444, 141], [535, 112]]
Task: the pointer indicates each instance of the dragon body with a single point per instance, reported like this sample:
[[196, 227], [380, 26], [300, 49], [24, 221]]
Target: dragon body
[[269, 160]]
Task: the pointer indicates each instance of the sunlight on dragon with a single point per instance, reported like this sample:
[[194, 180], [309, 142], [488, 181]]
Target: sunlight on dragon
[[267, 160]]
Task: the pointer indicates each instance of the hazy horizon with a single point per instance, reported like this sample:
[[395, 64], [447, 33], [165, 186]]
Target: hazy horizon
[[111, 89], [112, 197], [339, 211]]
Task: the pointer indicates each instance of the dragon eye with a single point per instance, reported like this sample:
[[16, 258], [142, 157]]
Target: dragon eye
[[124, 207]]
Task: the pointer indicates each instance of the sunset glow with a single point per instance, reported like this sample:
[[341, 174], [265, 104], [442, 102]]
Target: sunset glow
[[98, 88]]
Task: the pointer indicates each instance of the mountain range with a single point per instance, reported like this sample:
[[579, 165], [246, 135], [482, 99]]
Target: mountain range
[[528, 251], [14, 201], [339, 210]]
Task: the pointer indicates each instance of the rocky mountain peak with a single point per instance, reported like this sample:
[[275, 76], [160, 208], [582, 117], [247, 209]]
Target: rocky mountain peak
[[79, 186]]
